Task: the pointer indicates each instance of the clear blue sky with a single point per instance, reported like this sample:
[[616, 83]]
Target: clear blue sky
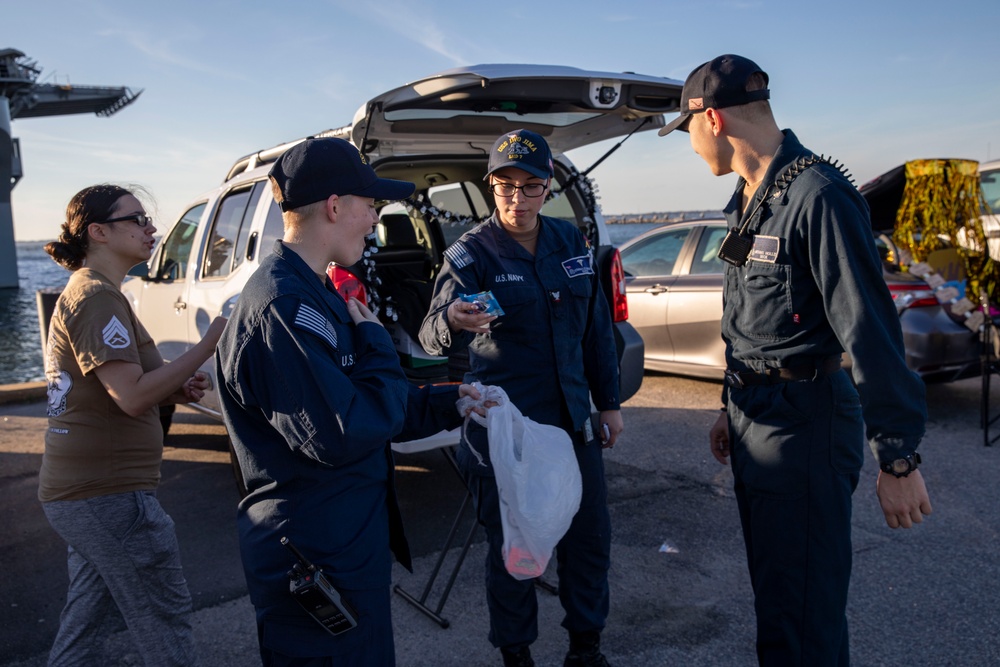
[[873, 83]]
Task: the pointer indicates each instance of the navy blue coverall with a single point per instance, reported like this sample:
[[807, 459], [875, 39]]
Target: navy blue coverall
[[811, 289], [551, 351], [311, 401]]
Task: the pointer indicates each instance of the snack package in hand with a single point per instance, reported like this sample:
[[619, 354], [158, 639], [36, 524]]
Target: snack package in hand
[[485, 302]]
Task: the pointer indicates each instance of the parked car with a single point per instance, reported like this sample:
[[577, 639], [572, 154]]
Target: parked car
[[989, 180], [674, 278], [884, 194], [435, 132]]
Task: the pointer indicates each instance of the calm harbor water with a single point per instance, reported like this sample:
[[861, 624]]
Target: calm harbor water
[[20, 340]]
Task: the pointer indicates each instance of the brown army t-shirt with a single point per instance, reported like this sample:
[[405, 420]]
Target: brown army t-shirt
[[92, 447]]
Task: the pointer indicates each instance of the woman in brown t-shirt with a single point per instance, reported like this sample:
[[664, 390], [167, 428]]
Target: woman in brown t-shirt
[[104, 442]]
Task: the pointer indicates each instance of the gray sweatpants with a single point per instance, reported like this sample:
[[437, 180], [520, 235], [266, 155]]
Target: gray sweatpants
[[124, 556]]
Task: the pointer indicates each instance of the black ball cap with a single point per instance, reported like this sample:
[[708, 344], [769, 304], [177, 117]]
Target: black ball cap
[[316, 169], [717, 84]]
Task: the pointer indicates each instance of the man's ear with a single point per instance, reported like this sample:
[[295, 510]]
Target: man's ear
[[715, 120], [332, 206]]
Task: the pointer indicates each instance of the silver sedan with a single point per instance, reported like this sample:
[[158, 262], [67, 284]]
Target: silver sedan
[[673, 279]]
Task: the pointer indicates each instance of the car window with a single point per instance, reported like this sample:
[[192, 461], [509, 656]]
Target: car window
[[655, 255], [274, 229], [243, 233], [706, 255], [225, 231], [466, 199], [990, 181], [461, 199], [177, 245], [559, 207]]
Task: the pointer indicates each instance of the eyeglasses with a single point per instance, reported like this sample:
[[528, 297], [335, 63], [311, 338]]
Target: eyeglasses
[[140, 219], [531, 190]]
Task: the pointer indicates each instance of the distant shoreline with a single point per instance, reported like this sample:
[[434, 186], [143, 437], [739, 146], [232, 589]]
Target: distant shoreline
[[660, 217]]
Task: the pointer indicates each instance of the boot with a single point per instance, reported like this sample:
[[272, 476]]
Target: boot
[[517, 658], [585, 650]]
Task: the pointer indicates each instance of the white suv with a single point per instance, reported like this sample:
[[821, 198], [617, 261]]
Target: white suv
[[435, 132]]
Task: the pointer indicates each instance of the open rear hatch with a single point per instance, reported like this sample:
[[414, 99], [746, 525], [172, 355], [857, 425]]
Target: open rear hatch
[[464, 110]]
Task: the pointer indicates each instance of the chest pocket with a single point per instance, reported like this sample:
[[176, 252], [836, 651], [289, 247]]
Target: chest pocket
[[573, 308], [765, 311], [516, 299], [521, 312]]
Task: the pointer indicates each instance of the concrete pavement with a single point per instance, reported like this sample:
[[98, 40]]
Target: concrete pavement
[[680, 592]]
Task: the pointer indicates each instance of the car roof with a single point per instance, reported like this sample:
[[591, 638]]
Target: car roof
[[464, 110], [989, 166], [266, 156]]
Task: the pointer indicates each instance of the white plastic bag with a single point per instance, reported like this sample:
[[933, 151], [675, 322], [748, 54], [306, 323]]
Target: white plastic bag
[[539, 483]]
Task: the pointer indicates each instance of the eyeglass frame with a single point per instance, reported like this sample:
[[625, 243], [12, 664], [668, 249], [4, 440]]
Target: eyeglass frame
[[494, 184], [140, 219]]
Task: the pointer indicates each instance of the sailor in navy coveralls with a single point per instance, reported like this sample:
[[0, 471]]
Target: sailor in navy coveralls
[[803, 285], [552, 351], [312, 392]]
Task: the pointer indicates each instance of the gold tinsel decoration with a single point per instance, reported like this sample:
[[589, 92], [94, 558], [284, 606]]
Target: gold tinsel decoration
[[941, 207]]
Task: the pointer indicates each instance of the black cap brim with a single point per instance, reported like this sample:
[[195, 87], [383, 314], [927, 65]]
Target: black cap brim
[[387, 189], [679, 123]]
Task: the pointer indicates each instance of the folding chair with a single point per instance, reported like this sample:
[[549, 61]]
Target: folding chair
[[421, 602]]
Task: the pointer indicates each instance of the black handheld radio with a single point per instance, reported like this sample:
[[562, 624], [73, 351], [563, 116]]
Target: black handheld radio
[[317, 596]]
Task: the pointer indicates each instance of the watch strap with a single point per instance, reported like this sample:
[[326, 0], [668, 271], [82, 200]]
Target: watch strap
[[903, 466]]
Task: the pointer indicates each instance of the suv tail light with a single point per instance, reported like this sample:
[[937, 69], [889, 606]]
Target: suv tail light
[[619, 302], [917, 294], [347, 283]]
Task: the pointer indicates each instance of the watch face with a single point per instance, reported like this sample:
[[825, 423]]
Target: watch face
[[899, 466]]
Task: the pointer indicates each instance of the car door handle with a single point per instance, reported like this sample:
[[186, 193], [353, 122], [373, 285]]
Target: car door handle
[[179, 306], [656, 289]]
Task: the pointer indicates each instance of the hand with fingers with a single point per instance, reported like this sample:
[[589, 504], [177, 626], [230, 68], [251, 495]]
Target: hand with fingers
[[467, 316], [904, 500]]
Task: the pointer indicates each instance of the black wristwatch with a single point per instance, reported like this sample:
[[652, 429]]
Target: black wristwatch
[[902, 467]]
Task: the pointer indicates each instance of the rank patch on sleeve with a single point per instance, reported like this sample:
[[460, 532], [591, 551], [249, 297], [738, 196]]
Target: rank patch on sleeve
[[765, 249], [115, 334], [311, 320], [458, 255], [578, 266]]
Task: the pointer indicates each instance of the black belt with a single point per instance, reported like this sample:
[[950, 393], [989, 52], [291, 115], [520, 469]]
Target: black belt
[[797, 373]]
